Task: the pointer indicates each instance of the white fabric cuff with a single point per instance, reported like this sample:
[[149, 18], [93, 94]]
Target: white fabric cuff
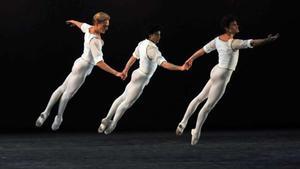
[[160, 60], [205, 49], [249, 43]]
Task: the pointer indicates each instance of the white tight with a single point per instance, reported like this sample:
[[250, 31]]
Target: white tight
[[212, 91], [132, 92], [70, 86]]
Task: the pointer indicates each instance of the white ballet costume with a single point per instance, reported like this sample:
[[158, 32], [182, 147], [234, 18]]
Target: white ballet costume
[[82, 67], [149, 58], [215, 87]]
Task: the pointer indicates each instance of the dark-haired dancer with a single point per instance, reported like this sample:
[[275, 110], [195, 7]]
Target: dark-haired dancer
[[228, 50], [150, 56]]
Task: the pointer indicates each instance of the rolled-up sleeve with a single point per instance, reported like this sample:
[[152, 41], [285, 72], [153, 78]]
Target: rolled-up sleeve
[[85, 27], [154, 54], [136, 53], [241, 44], [160, 59], [96, 50], [211, 46]]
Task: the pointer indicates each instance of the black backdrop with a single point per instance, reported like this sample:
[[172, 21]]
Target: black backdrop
[[38, 50]]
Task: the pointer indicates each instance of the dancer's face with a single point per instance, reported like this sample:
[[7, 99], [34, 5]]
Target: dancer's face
[[155, 37], [233, 28], [102, 27]]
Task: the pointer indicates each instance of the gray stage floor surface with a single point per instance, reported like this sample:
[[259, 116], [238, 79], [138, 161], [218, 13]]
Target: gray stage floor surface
[[259, 149]]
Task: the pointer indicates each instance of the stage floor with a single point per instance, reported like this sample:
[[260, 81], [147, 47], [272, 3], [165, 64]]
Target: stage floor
[[274, 149]]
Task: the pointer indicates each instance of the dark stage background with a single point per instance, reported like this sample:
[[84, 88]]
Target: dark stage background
[[38, 50]]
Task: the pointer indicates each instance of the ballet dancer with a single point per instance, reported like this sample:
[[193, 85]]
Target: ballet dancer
[[92, 56], [149, 58], [228, 53]]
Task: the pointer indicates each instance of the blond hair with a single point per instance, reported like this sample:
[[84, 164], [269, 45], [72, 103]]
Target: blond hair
[[100, 17]]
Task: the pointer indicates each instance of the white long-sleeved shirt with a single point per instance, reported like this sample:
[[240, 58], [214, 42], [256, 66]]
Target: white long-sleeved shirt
[[92, 51], [149, 55], [228, 51]]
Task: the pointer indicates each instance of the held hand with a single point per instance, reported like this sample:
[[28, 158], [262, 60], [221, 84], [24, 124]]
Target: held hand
[[124, 76], [125, 73], [189, 63], [121, 75], [184, 67]]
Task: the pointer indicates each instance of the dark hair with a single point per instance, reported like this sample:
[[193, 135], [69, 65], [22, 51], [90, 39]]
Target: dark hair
[[151, 29], [226, 20]]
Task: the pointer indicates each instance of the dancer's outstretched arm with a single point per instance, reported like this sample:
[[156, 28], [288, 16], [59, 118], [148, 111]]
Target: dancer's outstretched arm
[[154, 54], [195, 56], [74, 23], [269, 39], [98, 58], [129, 63], [171, 66], [108, 69], [243, 44]]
